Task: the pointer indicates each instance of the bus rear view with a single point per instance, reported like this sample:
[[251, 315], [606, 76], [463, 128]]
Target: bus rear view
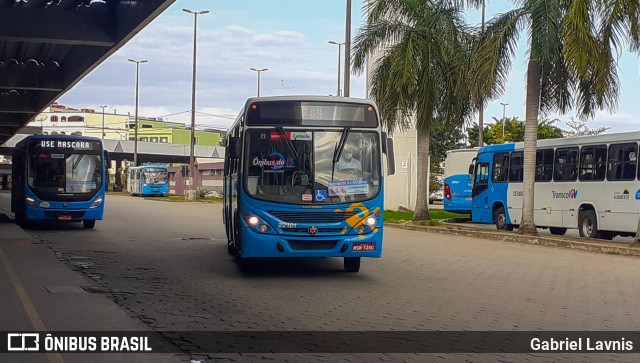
[[58, 178]]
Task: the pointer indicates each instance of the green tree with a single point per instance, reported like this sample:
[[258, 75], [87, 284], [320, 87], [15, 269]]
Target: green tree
[[580, 128], [420, 77], [571, 63], [513, 131]]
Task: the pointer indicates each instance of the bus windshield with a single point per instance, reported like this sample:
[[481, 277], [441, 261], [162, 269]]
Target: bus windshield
[[60, 173], [298, 167], [155, 176]]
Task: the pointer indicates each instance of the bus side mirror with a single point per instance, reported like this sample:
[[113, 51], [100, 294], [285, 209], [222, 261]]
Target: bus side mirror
[[384, 142], [107, 159], [471, 169], [391, 161], [233, 147]]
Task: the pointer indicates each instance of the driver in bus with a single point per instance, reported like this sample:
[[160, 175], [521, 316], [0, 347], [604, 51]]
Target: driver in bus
[[347, 161]]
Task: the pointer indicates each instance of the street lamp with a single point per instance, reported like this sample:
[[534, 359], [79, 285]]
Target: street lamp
[[135, 143], [339, 52], [347, 50], [504, 105], [103, 107], [259, 70], [193, 99]]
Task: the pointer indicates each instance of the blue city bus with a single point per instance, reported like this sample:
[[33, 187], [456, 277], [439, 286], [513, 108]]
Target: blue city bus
[[148, 180], [59, 178], [303, 177], [589, 183], [457, 180]]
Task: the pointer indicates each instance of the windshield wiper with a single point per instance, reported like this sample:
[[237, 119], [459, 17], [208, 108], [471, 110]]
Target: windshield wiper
[[289, 144], [338, 150]]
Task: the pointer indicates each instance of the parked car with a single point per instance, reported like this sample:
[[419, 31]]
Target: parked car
[[437, 195]]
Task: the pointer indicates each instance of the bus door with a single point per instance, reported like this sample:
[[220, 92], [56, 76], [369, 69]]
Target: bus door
[[481, 204]]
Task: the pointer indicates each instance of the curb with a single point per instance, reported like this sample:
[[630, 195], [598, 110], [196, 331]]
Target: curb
[[564, 242]]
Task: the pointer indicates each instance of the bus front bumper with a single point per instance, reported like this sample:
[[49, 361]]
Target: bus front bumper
[[278, 245], [67, 215]]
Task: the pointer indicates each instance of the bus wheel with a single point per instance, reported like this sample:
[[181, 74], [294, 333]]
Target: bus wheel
[[88, 224], [352, 264], [558, 231], [500, 217], [588, 224]]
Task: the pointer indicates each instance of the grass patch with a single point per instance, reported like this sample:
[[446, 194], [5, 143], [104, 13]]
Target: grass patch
[[435, 214]]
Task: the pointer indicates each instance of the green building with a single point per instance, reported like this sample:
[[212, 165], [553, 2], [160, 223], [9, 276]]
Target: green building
[[154, 130]]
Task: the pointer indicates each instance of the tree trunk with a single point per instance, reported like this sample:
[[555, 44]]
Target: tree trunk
[[636, 239], [527, 225], [422, 196]]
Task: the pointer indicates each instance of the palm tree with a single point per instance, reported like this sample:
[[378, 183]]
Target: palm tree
[[571, 63], [424, 50]]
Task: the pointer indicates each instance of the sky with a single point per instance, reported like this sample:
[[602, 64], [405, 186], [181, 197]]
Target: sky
[[290, 38]]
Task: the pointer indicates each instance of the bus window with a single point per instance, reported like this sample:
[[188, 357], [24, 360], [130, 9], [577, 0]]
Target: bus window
[[500, 167], [544, 165], [622, 161], [593, 163], [515, 168], [566, 164]]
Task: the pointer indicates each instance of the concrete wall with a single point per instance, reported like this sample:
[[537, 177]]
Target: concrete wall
[[400, 188]]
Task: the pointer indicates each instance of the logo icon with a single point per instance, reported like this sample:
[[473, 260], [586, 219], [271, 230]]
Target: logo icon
[[312, 230], [22, 342], [321, 195]]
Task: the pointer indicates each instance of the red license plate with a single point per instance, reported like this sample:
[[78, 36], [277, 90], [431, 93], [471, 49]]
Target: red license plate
[[64, 218], [369, 246]]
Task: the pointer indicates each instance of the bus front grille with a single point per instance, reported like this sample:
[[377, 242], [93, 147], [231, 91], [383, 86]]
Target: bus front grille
[[311, 217], [300, 245]]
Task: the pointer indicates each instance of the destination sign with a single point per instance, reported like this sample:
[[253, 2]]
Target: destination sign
[[67, 144]]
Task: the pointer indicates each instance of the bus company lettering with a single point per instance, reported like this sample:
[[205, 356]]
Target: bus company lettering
[[275, 161], [571, 194], [621, 196], [81, 145]]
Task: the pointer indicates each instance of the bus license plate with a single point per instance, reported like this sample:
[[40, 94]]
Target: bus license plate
[[64, 218], [363, 247]]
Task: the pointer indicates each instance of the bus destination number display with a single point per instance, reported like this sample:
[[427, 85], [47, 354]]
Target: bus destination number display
[[313, 113]]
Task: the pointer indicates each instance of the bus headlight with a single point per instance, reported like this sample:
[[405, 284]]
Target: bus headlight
[[253, 221], [371, 221], [45, 205], [31, 202], [96, 203]]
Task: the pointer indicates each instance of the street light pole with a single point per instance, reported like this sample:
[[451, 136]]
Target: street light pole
[[504, 105], [193, 99], [259, 70], [103, 107], [339, 53], [135, 142], [347, 50]]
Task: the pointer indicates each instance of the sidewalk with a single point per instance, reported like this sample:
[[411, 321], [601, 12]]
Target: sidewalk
[[40, 293]]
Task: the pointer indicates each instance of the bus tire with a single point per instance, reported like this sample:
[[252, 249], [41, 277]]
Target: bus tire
[[588, 224], [352, 264], [500, 218], [231, 249], [88, 223], [558, 231]]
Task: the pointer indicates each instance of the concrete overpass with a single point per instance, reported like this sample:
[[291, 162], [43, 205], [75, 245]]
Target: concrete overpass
[[47, 46]]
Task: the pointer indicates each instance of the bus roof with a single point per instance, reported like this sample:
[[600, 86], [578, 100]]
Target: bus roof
[[310, 98], [632, 136]]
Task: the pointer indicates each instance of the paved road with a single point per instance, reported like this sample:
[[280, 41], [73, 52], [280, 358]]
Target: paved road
[[167, 263]]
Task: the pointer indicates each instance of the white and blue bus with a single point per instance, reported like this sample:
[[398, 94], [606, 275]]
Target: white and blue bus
[[59, 178], [148, 180], [457, 180], [304, 178], [590, 183]]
